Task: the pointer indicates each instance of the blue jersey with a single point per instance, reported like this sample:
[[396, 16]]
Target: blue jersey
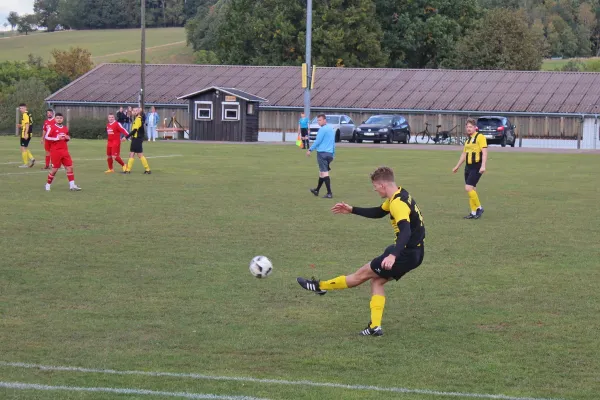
[[303, 122], [325, 142]]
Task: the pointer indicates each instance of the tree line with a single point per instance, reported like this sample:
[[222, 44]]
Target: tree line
[[469, 34]]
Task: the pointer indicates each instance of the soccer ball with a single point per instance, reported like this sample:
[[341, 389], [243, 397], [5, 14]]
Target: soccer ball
[[261, 267]]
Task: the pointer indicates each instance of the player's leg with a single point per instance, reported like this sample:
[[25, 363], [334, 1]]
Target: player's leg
[[472, 177], [68, 163], [56, 164], [47, 150], [323, 173], [326, 178], [109, 160], [376, 305], [359, 277], [144, 163], [129, 165]]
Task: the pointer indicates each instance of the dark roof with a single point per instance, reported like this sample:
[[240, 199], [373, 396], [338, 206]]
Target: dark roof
[[347, 88], [233, 91]]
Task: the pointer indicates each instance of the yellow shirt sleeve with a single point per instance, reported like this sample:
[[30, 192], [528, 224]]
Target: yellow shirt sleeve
[[399, 210], [386, 205], [482, 141]]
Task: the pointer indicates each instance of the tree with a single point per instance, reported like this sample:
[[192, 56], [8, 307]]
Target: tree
[[31, 91], [46, 12], [71, 63], [423, 33], [201, 31], [503, 40], [13, 19], [206, 57], [27, 23]]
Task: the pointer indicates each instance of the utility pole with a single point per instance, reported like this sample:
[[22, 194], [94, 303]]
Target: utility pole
[[143, 57], [308, 56]]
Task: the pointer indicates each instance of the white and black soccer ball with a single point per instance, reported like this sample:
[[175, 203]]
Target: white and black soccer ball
[[261, 267]]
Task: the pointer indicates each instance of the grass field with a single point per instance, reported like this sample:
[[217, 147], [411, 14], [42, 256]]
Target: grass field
[[554, 65], [150, 273], [164, 45]]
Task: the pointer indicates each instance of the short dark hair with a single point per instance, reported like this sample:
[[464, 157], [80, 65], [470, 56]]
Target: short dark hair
[[471, 121], [322, 116], [51, 110], [385, 174], [111, 114], [22, 105], [58, 115]]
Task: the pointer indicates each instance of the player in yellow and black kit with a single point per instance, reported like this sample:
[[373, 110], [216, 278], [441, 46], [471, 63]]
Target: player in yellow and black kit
[[137, 140], [398, 259], [475, 154], [26, 128]]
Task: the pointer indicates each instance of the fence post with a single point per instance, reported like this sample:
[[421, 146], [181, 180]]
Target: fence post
[[68, 117], [579, 134], [17, 122], [283, 135]]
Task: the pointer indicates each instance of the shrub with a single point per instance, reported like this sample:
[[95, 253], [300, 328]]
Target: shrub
[[83, 128]]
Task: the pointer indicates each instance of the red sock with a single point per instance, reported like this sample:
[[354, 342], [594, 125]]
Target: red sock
[[50, 179], [110, 162], [70, 176], [47, 161], [119, 160]]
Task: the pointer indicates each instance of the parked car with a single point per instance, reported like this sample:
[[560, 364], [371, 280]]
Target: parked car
[[342, 125], [391, 128], [497, 130]]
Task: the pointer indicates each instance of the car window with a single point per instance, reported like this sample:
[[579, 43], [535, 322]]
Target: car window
[[330, 120], [401, 120], [344, 119], [379, 120], [483, 123], [351, 122]]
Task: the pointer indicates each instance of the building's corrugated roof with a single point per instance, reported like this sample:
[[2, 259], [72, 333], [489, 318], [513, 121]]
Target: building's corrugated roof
[[232, 91], [348, 88]]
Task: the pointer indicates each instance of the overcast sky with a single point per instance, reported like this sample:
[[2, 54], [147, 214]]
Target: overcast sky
[[20, 6]]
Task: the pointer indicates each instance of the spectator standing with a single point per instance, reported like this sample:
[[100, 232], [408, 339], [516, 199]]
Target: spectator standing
[[152, 121]]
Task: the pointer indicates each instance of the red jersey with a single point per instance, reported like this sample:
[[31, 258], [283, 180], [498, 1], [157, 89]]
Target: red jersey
[[58, 136], [114, 132], [47, 123]]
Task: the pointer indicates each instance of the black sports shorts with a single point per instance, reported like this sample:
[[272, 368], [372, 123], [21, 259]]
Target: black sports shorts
[[304, 132], [136, 145], [25, 142], [408, 260], [472, 174]]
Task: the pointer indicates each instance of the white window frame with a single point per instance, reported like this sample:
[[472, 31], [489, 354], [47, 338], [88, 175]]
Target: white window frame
[[210, 110], [237, 110]]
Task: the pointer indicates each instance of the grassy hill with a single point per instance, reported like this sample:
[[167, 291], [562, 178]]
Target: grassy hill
[[164, 45], [555, 65]]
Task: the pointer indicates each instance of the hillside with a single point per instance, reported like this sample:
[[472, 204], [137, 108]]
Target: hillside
[[164, 45]]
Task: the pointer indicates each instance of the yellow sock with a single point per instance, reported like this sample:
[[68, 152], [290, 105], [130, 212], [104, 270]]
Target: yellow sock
[[473, 200], [29, 154], [477, 202], [335, 283], [130, 164], [377, 304], [145, 163], [24, 157]]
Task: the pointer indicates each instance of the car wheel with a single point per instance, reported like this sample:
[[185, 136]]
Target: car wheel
[[389, 138], [337, 136], [514, 141], [358, 140], [503, 142], [353, 140], [376, 141]]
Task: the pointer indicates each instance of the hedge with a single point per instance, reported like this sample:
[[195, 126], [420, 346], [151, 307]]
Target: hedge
[[83, 128]]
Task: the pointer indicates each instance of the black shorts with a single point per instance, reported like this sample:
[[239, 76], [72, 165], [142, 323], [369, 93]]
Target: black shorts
[[136, 145], [408, 260], [303, 132], [25, 142], [472, 175], [324, 160]]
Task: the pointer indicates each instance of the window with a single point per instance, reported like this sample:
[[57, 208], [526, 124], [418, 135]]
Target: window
[[204, 110], [250, 109], [231, 111]]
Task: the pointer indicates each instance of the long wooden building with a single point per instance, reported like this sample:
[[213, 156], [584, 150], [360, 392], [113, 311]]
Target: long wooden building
[[541, 104]]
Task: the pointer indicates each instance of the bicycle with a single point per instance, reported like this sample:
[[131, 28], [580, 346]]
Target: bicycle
[[445, 137], [424, 136]]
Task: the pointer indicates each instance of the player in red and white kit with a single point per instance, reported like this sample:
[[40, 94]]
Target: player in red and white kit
[[114, 131], [58, 135], [49, 121]]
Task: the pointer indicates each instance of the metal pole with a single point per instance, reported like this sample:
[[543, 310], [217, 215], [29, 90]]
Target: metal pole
[[17, 130], [308, 56], [143, 58]]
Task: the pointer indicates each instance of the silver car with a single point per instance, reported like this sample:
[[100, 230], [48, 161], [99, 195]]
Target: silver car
[[342, 125]]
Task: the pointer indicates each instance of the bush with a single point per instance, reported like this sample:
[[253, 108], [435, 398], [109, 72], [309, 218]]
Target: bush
[[83, 128], [31, 91]]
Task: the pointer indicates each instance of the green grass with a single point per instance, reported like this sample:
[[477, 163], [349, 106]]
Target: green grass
[[105, 45], [151, 273], [554, 65]]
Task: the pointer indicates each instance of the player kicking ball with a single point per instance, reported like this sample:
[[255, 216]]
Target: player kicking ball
[[398, 259], [58, 136]]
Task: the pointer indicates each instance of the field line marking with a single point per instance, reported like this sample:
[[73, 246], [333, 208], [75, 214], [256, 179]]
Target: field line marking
[[137, 50], [186, 395], [99, 159], [270, 381]]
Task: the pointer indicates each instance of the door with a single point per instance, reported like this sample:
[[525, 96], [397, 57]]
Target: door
[[346, 128]]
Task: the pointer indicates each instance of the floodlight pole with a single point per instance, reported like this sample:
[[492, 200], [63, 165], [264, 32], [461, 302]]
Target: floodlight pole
[[308, 56], [143, 57]]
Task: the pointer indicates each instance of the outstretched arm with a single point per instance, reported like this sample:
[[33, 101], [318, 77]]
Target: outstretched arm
[[371, 212]]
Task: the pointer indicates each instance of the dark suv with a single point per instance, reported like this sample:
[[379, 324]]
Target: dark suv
[[389, 128], [497, 130]]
